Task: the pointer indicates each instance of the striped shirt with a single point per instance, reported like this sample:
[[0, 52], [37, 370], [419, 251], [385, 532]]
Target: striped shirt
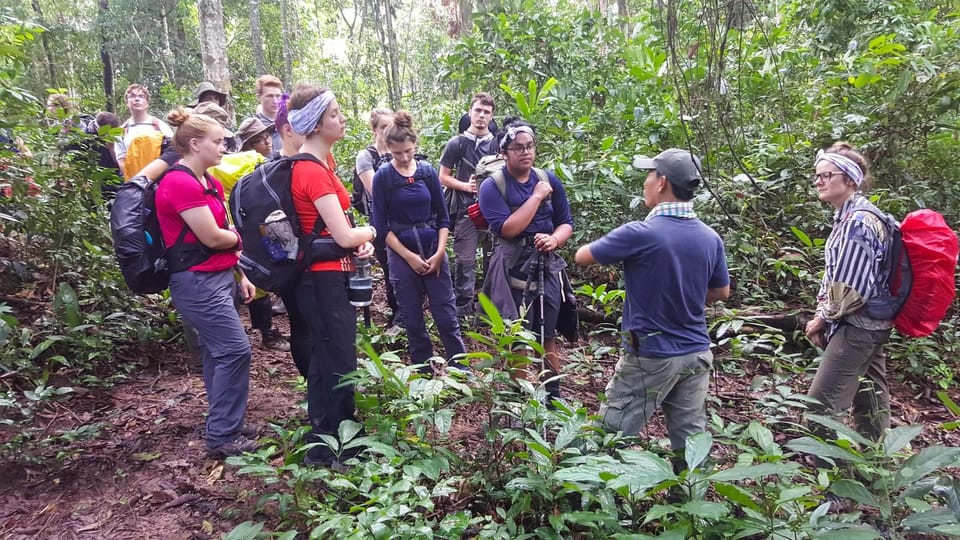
[[853, 256]]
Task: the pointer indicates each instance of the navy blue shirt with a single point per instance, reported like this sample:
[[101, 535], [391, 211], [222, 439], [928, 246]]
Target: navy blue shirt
[[551, 214], [410, 206], [668, 265]]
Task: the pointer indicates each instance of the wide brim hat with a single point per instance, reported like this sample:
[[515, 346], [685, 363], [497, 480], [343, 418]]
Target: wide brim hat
[[681, 167], [252, 128], [205, 87], [217, 113]]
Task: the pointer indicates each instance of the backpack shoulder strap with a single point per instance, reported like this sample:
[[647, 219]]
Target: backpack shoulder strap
[[501, 181], [374, 155], [155, 123]]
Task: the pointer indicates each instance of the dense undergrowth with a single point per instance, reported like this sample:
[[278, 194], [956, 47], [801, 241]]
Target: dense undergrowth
[[756, 92]]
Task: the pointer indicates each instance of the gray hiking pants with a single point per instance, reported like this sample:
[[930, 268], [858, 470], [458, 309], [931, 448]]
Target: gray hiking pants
[[853, 372], [677, 384], [466, 238], [206, 301]]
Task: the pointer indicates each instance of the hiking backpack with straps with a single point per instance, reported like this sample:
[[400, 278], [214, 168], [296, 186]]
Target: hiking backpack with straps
[[143, 148], [275, 252], [360, 198], [145, 260], [492, 167], [919, 267]]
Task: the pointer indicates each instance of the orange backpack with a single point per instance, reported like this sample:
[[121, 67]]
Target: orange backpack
[[142, 150]]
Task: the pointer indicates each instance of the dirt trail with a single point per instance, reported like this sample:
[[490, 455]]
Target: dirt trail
[[146, 475]]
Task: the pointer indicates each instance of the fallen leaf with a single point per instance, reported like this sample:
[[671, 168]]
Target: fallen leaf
[[146, 456], [207, 527], [215, 474]]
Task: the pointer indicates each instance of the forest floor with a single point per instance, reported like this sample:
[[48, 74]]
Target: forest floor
[[144, 472]]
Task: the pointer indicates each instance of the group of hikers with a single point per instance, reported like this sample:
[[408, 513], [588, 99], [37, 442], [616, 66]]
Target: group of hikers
[[673, 264]]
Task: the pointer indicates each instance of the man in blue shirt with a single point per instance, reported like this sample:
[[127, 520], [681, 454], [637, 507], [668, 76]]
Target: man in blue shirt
[[673, 265]]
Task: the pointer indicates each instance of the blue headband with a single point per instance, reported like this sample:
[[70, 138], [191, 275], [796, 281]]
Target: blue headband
[[512, 133], [845, 164], [302, 121]]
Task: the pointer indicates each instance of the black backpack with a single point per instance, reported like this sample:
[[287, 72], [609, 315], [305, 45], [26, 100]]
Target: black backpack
[[144, 259], [275, 253], [360, 198]]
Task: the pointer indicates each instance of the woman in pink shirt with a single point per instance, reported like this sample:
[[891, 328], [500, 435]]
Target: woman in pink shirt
[[202, 253]]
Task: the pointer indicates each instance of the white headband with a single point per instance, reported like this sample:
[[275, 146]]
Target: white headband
[[847, 165]]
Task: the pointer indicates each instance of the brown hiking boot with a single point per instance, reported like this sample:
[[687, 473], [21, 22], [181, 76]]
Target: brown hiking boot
[[237, 446]]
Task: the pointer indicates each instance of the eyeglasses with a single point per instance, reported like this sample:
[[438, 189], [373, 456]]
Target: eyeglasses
[[526, 149], [825, 176], [136, 96]]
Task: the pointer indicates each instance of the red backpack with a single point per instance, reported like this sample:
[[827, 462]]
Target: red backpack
[[920, 266]]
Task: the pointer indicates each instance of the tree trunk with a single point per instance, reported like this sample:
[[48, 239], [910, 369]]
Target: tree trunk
[[167, 48], [213, 44], [105, 58], [44, 39], [288, 34], [464, 18], [383, 22], [255, 37]]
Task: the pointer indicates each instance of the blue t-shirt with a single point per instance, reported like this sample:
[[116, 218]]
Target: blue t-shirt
[[549, 216], [668, 265], [405, 204]]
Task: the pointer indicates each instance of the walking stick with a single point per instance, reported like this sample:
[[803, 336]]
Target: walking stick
[[540, 292]]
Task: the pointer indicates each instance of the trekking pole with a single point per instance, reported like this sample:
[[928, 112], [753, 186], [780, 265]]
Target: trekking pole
[[540, 293]]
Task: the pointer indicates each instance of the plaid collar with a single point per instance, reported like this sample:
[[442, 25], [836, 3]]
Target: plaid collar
[[672, 209]]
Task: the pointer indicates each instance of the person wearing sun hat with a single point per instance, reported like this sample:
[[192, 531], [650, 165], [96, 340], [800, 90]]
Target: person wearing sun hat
[[207, 93], [254, 135], [673, 265]]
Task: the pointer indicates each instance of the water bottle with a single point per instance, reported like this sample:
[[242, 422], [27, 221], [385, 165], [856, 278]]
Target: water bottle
[[360, 285]]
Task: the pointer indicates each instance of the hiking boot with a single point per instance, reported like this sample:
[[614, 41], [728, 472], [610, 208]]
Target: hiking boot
[[237, 446], [273, 339], [322, 456]]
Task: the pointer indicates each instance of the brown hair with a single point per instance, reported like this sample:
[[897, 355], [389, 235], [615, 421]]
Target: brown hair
[[302, 94], [377, 114], [267, 80], [139, 87], [846, 150], [189, 126], [401, 130], [484, 99]]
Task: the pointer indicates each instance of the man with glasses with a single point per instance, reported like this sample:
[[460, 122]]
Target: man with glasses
[[457, 166], [140, 125]]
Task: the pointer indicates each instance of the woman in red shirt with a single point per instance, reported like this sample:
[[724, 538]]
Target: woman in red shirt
[[203, 251], [319, 194]]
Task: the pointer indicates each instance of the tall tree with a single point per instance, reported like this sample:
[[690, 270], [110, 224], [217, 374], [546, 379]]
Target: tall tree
[[288, 34], [256, 39], [45, 40], [213, 44], [383, 23], [103, 11]]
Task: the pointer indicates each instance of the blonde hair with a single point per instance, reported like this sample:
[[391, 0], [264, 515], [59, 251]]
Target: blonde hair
[[377, 114], [189, 126], [139, 87]]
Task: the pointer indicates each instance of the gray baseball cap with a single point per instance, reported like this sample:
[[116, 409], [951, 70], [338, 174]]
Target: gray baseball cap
[[680, 167]]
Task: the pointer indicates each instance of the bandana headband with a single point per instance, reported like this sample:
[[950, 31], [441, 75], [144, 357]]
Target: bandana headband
[[302, 121], [512, 133], [845, 164]]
